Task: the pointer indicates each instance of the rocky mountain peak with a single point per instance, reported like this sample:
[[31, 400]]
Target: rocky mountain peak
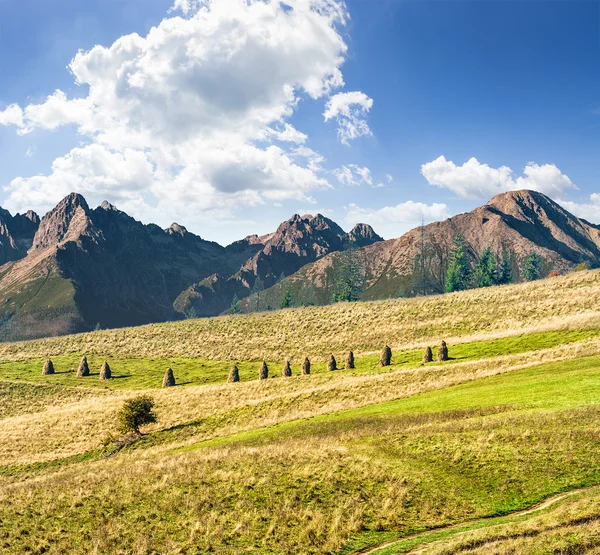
[[176, 229], [363, 235], [32, 216], [66, 222]]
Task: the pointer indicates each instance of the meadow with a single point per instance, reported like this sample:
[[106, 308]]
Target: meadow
[[495, 451]]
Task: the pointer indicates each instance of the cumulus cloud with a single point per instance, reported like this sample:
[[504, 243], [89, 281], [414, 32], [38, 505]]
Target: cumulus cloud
[[194, 106], [349, 110], [392, 221], [589, 211], [353, 175], [480, 181]]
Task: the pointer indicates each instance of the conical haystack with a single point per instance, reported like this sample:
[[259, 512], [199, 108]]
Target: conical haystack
[[286, 371], [442, 353], [350, 361], [263, 373], [105, 373], [332, 364], [169, 379], [234, 374], [48, 368], [427, 355], [386, 357], [306, 366], [84, 369]]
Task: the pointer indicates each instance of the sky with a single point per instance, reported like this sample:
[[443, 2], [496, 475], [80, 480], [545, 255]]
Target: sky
[[230, 116]]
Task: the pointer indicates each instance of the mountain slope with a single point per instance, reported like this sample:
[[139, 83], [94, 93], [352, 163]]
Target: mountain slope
[[519, 222], [298, 241]]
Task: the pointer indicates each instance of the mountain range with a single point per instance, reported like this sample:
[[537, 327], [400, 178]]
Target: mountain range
[[80, 268]]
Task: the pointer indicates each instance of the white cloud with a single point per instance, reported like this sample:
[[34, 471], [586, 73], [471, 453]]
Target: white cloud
[[589, 211], [30, 152], [12, 115], [353, 175], [195, 100], [392, 221], [476, 180], [389, 178], [350, 110]]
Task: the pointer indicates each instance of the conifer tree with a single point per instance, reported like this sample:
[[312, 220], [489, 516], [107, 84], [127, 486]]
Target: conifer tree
[[485, 269], [504, 273], [532, 268], [458, 275]]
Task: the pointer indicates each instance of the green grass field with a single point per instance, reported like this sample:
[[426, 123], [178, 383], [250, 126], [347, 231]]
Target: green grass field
[[412, 458]]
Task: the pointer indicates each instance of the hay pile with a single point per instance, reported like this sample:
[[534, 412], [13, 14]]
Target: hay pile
[[105, 372], [263, 373], [332, 364], [234, 374], [442, 353], [386, 357], [286, 371], [84, 369], [306, 366], [169, 379], [48, 369], [350, 361], [427, 355]]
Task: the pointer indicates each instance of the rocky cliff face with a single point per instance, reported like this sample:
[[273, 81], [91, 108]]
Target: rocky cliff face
[[16, 234], [298, 241], [519, 222]]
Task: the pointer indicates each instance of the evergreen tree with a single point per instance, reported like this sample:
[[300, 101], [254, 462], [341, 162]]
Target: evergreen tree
[[504, 273], [532, 268], [257, 289], [235, 305], [459, 275], [485, 269], [287, 299], [349, 283]]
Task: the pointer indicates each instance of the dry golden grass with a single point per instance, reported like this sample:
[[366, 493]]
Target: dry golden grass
[[363, 327], [64, 430]]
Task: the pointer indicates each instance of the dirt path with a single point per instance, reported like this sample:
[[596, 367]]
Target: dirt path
[[493, 521]]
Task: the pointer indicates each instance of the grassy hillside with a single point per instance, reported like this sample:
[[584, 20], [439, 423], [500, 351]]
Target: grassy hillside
[[436, 458], [556, 303]]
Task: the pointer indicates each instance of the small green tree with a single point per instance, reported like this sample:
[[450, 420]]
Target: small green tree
[[458, 275], [349, 282], [235, 305], [485, 269], [288, 299], [532, 267], [257, 289], [191, 313], [135, 413], [504, 273]]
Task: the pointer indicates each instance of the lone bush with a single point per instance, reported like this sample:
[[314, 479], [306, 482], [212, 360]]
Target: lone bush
[[234, 374], [306, 366], [427, 355], [350, 361], [169, 379], [135, 413], [386, 357], [286, 371]]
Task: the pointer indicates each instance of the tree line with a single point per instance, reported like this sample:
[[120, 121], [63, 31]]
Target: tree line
[[488, 270]]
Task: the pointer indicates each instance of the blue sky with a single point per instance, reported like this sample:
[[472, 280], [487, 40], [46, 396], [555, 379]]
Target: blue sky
[[449, 103]]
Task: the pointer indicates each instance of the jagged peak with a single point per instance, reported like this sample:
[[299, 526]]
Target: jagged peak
[[32, 216], [176, 229], [67, 221], [109, 207]]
